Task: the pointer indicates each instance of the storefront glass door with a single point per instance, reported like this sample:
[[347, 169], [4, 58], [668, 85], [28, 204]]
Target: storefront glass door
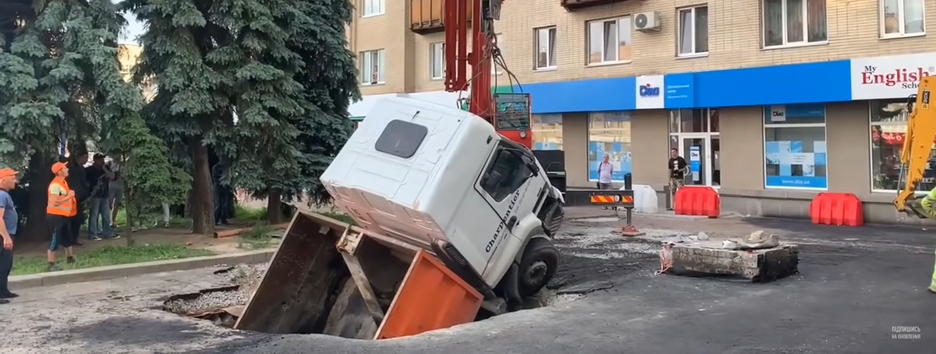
[[701, 152]]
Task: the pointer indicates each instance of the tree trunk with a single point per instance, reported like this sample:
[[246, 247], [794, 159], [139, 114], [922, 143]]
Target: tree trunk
[[274, 207], [39, 177], [132, 214], [202, 202]]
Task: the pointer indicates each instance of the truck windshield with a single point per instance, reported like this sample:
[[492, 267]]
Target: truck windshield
[[401, 138]]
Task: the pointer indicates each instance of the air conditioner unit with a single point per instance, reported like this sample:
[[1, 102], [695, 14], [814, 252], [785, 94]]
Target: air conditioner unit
[[647, 21]]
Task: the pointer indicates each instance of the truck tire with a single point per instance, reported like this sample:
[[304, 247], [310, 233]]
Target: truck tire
[[537, 266]]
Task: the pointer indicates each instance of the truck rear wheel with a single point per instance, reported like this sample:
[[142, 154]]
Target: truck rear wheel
[[538, 265]]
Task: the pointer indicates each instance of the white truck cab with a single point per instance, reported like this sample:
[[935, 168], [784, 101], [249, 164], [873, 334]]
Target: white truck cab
[[442, 179]]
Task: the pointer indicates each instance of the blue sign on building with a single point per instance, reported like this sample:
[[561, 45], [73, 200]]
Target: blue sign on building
[[679, 91]]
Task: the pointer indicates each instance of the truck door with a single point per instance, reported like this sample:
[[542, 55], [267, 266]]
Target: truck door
[[502, 185]]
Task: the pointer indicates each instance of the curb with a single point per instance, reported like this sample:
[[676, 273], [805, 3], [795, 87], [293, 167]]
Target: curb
[[129, 270]]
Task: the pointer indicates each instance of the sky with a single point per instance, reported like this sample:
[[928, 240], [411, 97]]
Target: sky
[[132, 31]]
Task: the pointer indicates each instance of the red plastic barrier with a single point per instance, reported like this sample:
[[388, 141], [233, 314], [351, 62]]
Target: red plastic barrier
[[840, 209], [697, 201]]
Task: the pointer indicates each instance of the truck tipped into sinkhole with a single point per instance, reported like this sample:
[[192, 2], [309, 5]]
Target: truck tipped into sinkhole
[[454, 222]]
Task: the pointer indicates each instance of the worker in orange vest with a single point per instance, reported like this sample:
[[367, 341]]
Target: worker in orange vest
[[62, 206]]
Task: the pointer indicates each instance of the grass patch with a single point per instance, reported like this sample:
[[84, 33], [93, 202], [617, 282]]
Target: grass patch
[[249, 214], [258, 237], [110, 255]]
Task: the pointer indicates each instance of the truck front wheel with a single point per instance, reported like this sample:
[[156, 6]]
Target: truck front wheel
[[538, 265]]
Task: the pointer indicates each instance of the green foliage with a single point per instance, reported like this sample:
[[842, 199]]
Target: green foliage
[[112, 255], [149, 179]]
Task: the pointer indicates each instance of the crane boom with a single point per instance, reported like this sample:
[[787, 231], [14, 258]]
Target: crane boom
[[513, 108]]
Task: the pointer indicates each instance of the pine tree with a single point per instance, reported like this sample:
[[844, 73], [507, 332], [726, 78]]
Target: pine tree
[[60, 80], [210, 58], [328, 76]]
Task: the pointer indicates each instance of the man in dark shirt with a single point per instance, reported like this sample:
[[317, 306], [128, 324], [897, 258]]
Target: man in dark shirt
[[8, 230], [99, 177], [677, 172], [78, 182]]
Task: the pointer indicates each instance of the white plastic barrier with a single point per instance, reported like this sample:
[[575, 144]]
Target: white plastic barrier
[[645, 198]]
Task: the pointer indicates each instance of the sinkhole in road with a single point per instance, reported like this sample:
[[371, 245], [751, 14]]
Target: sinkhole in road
[[348, 318]]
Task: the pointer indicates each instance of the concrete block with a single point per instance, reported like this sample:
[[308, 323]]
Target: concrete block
[[129, 270], [761, 265]]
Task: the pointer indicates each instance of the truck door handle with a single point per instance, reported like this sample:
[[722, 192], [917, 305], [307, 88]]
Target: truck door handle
[[511, 222]]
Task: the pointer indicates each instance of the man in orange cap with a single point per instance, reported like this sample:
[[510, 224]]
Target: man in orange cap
[[8, 221], [61, 208]]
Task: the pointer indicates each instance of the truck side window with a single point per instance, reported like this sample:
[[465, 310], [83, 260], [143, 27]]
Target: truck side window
[[504, 175], [401, 138]]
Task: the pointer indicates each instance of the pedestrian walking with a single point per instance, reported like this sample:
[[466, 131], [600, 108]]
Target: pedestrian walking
[[59, 211], [78, 182], [677, 172], [605, 170], [8, 224]]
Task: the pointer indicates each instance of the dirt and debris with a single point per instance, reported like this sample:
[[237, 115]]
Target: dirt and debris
[[245, 277]]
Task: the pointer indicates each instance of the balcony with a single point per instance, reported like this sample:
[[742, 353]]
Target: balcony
[[572, 5], [428, 16]]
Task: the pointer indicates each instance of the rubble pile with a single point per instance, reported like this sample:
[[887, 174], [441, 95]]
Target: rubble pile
[[245, 278]]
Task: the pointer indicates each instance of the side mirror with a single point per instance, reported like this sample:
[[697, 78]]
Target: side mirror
[[530, 164]]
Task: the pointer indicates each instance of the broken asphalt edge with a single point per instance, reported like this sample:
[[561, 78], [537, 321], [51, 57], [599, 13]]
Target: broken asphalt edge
[[134, 269]]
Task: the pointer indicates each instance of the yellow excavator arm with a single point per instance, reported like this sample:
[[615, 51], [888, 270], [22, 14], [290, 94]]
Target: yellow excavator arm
[[918, 143]]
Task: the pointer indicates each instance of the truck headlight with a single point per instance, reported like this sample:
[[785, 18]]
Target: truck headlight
[[522, 135]]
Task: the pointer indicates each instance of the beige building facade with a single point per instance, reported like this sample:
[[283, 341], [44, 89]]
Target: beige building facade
[[770, 101]]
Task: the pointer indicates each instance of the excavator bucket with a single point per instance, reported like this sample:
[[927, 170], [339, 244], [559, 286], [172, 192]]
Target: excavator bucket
[[332, 278]]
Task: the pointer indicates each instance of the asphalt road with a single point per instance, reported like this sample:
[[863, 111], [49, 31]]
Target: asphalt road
[[855, 285]]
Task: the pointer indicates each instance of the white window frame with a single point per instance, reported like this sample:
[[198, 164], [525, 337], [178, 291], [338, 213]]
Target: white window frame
[[617, 53], [378, 55], [901, 22], [679, 32], [550, 48], [381, 4], [786, 43], [437, 56], [825, 131]]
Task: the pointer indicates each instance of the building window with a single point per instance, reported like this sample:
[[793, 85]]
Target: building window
[[609, 133], [795, 146], [373, 67], [609, 41], [888, 133], [901, 18], [436, 61], [693, 31], [792, 22], [545, 48], [372, 8], [547, 132]]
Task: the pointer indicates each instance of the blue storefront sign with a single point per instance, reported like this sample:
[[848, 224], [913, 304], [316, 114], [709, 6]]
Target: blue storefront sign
[[679, 91]]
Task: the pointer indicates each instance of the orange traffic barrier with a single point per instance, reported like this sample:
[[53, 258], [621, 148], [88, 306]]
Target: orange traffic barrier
[[702, 201], [840, 209], [237, 232], [414, 310]]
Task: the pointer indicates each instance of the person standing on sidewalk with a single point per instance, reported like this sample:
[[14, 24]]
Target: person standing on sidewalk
[[677, 172], [59, 211], [99, 177], [8, 224], [114, 192], [605, 170], [78, 182]]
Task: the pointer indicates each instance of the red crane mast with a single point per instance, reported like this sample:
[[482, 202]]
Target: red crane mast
[[508, 112]]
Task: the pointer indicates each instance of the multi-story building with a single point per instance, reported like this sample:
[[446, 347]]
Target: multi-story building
[[770, 101], [128, 55]]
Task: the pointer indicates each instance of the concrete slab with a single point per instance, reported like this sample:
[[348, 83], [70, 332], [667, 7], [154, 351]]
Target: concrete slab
[[129, 270], [760, 265]]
